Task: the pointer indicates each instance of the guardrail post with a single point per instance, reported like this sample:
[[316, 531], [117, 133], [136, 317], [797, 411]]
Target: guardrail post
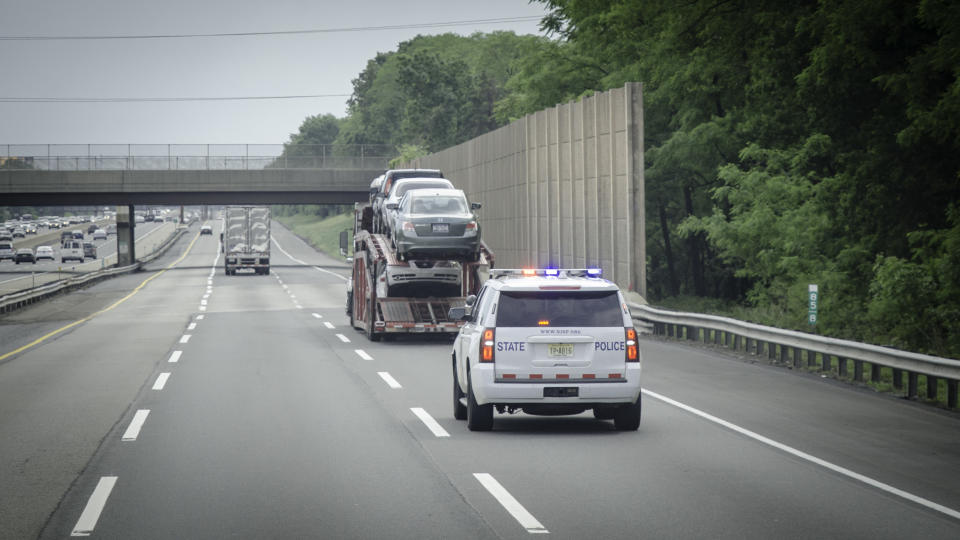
[[826, 363], [736, 342], [748, 345], [783, 354], [912, 385], [874, 372], [811, 359], [858, 370], [669, 330], [796, 358], [842, 366], [898, 378], [692, 332], [716, 337], [952, 393], [932, 387]]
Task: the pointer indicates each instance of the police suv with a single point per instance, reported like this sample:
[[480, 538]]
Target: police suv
[[547, 342]]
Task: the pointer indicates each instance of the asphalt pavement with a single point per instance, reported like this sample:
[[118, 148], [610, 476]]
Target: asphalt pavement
[[214, 406]]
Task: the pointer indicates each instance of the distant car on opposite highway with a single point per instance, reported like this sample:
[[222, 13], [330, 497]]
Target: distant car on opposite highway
[[71, 249], [99, 234], [5, 236], [6, 250], [206, 229], [24, 255], [44, 252], [19, 233], [92, 228]]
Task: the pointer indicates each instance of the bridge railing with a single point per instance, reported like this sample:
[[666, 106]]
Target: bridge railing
[[152, 157], [822, 353]]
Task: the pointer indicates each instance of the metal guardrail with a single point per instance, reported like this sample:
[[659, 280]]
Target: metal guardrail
[[781, 343], [15, 301], [156, 157]]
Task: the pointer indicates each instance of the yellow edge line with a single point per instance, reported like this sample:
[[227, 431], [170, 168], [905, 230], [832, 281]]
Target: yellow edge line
[[104, 310]]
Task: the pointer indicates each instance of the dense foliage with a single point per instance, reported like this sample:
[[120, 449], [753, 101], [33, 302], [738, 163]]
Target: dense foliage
[[789, 143]]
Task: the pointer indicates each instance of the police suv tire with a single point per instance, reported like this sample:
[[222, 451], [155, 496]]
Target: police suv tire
[[627, 417], [479, 417], [459, 410]]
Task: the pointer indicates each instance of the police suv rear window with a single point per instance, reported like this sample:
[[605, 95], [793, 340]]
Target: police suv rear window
[[559, 308]]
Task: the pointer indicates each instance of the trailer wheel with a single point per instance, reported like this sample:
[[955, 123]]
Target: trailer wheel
[[371, 335]]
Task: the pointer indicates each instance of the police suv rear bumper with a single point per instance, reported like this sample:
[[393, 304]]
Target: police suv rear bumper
[[487, 389]]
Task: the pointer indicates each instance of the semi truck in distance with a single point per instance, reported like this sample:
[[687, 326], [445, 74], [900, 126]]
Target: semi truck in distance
[[245, 239]]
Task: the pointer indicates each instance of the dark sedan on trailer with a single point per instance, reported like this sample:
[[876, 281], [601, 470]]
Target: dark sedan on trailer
[[436, 223]]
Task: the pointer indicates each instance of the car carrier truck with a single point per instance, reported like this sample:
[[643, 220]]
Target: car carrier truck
[[387, 296], [246, 239]]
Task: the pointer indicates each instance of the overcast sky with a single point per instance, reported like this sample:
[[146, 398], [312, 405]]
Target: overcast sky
[[305, 64]]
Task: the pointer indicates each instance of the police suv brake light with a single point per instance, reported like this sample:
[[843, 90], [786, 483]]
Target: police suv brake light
[[631, 349], [486, 348]]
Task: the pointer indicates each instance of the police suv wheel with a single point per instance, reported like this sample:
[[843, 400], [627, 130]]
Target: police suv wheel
[[459, 409], [479, 417], [627, 417]]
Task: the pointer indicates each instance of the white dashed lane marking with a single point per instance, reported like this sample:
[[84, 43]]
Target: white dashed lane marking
[[91, 513], [387, 378], [161, 381], [512, 505], [175, 357], [133, 430], [363, 354], [184, 338], [317, 316], [428, 421], [328, 325], [343, 338]]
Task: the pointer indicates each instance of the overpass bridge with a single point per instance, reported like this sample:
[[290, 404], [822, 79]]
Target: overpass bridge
[[129, 175]]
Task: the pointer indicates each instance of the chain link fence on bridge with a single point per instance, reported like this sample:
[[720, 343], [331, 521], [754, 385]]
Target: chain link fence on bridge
[[113, 157]]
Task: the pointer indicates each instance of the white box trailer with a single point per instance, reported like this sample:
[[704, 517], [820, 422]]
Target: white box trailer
[[246, 239]]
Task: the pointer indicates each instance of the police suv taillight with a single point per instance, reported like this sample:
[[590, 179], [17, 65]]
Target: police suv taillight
[[632, 353], [486, 346]]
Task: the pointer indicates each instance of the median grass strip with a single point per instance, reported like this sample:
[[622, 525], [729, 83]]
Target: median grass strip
[[321, 233]]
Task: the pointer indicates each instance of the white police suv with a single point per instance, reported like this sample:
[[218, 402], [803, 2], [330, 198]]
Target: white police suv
[[546, 341]]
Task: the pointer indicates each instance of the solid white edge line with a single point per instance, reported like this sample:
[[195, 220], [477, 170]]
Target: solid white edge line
[[175, 357], [329, 325], [161, 381], [808, 457], [133, 430], [343, 338], [317, 315], [363, 354], [96, 502], [511, 504], [428, 420], [185, 338], [387, 378]]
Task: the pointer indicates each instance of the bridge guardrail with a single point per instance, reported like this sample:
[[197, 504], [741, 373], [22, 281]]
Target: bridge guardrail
[[12, 302], [750, 338]]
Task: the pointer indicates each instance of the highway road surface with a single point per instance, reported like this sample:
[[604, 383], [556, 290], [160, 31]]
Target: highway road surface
[[191, 404]]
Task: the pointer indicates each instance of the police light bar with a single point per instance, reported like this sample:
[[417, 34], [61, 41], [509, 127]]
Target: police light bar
[[546, 272]]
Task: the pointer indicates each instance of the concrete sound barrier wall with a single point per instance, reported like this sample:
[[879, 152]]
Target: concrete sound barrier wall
[[563, 186]]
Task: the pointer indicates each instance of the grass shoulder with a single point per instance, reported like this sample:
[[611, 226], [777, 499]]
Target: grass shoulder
[[323, 233]]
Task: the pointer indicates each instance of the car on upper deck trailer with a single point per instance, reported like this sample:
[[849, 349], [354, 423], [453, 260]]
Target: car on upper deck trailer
[[436, 223]]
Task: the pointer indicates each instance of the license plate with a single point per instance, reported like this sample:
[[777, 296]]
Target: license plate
[[561, 349], [441, 227]]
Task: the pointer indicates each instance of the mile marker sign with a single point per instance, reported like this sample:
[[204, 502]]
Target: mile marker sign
[[814, 296]]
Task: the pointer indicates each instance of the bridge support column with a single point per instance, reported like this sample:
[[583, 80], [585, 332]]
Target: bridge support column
[[126, 252]]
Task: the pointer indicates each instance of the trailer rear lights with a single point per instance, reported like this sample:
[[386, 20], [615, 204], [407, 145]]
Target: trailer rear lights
[[486, 348]]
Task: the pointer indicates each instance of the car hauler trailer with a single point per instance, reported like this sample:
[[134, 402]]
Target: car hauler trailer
[[246, 239], [387, 296]]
